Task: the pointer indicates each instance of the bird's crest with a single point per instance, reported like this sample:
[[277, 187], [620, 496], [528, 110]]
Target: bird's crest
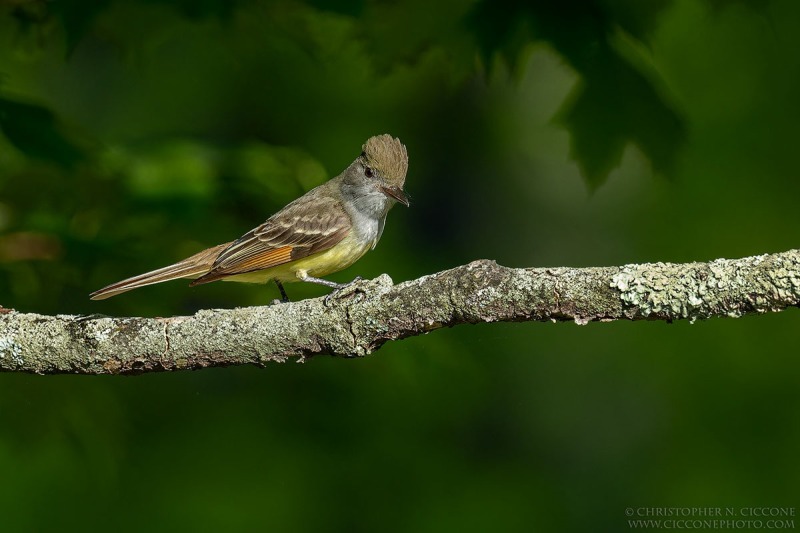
[[388, 157]]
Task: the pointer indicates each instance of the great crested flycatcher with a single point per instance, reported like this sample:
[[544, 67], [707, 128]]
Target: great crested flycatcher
[[326, 230]]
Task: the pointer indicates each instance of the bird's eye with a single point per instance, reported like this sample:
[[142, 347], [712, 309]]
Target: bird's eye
[[368, 172]]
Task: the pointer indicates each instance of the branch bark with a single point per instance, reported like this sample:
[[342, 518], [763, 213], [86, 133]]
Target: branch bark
[[360, 319]]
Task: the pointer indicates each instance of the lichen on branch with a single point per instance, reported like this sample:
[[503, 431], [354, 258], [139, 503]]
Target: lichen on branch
[[369, 313]]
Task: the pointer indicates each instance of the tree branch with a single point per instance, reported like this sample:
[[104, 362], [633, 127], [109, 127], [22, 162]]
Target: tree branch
[[364, 316]]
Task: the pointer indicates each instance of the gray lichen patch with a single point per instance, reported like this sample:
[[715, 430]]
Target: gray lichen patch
[[663, 290], [10, 350], [723, 287], [369, 313]]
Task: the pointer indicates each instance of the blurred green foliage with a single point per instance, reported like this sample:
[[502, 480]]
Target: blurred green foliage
[[33, 130], [593, 132]]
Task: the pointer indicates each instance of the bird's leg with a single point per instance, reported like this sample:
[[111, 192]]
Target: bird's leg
[[284, 298], [332, 284]]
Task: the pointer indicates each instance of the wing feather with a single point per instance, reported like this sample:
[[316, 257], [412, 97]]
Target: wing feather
[[307, 226]]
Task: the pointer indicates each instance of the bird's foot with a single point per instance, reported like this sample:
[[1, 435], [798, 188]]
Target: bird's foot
[[93, 316], [342, 290]]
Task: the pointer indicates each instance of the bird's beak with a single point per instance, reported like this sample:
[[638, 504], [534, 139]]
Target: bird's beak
[[397, 193]]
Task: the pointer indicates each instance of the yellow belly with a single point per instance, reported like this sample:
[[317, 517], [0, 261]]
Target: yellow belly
[[341, 256]]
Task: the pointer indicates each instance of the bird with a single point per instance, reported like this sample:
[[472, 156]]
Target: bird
[[324, 231]]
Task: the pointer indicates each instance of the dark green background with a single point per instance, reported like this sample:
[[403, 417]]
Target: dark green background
[[578, 133]]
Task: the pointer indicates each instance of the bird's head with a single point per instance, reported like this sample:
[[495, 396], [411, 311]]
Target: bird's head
[[381, 166]]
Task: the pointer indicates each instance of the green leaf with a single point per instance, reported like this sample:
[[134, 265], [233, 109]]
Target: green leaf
[[637, 18], [35, 131], [199, 9], [500, 28], [612, 106], [353, 8], [615, 102], [755, 5], [76, 17]]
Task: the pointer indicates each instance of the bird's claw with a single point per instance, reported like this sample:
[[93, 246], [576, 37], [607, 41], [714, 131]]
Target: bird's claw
[[341, 290], [93, 316]]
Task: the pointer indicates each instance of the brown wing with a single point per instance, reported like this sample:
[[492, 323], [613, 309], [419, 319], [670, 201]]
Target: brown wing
[[306, 226]]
